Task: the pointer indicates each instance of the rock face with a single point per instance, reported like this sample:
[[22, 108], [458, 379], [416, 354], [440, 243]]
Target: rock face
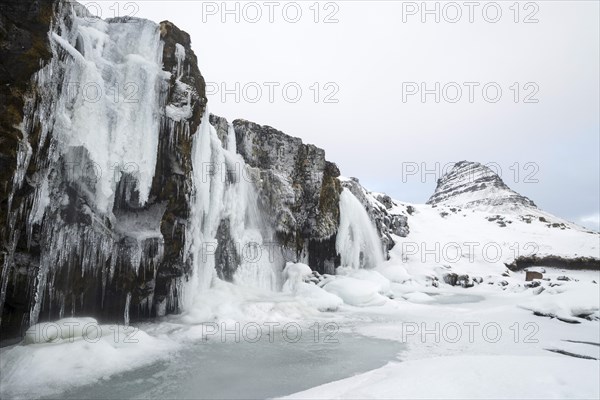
[[63, 254], [298, 187], [473, 185], [24, 45]]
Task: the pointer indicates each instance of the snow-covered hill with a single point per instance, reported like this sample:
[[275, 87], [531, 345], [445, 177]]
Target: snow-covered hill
[[475, 225], [473, 185]]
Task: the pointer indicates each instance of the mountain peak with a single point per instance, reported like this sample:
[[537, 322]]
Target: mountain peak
[[473, 185]]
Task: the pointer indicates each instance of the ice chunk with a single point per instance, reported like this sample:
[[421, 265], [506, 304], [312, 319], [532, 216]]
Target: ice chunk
[[295, 273], [393, 272], [308, 293], [355, 292], [63, 329], [382, 283], [316, 297]]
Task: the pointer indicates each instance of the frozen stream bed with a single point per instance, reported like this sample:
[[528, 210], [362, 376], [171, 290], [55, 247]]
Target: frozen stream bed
[[427, 342], [231, 370]]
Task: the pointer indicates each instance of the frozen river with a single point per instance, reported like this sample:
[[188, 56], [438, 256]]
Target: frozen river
[[233, 370]]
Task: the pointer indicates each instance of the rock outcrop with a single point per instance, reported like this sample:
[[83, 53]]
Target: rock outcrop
[[298, 187], [576, 263]]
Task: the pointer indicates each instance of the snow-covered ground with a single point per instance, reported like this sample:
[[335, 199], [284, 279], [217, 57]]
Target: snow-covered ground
[[498, 337], [480, 242], [479, 342]]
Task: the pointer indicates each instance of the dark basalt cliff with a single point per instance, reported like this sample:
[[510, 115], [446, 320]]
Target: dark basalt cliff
[[300, 186], [93, 256], [24, 48]]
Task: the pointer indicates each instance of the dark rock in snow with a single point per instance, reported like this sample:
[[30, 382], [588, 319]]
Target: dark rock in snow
[[531, 275]]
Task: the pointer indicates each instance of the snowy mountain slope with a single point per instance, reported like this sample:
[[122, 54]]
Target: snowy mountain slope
[[473, 185], [480, 242], [474, 224]]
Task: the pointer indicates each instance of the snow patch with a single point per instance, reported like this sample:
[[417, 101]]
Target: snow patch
[[356, 292]]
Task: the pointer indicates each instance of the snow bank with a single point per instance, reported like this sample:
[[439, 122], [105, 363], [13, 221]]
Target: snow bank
[[63, 329], [308, 293], [469, 377], [227, 302], [295, 273], [46, 369], [394, 272], [316, 297], [571, 300], [383, 283], [356, 292]]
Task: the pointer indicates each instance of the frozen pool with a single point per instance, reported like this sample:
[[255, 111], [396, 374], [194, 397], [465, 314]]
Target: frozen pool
[[233, 370]]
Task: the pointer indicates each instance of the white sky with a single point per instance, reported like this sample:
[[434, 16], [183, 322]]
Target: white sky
[[368, 54]]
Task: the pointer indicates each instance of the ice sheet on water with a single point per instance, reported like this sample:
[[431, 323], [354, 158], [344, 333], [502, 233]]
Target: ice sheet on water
[[469, 377]]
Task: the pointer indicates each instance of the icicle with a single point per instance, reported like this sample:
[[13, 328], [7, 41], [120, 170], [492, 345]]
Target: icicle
[[231, 143], [126, 312], [180, 55]]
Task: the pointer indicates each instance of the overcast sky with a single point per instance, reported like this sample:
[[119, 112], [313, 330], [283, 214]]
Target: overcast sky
[[369, 60]]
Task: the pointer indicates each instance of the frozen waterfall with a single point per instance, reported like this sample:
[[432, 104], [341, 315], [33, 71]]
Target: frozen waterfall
[[112, 103], [357, 241], [99, 108], [224, 193]]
